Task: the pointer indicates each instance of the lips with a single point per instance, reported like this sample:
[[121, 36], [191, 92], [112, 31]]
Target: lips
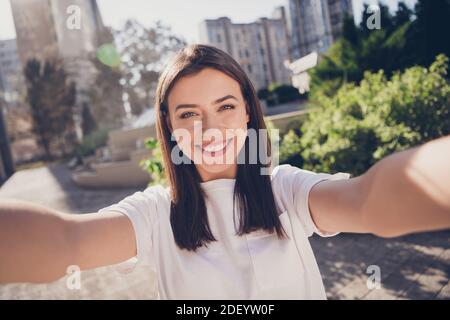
[[214, 149]]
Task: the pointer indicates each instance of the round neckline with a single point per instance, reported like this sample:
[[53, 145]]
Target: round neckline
[[218, 183]]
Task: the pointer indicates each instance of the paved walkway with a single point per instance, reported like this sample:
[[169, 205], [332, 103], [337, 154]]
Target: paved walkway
[[412, 267]]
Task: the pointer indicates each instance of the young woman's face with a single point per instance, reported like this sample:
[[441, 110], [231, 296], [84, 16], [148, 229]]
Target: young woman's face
[[208, 116]]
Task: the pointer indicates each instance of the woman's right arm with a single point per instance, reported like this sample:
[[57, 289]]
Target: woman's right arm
[[38, 244]]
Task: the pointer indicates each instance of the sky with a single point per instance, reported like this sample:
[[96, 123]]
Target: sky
[[182, 16]]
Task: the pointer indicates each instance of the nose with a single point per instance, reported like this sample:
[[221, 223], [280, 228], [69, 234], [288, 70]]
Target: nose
[[210, 121], [211, 129]]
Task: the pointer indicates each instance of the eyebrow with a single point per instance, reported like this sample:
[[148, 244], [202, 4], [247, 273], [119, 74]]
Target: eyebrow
[[192, 105]]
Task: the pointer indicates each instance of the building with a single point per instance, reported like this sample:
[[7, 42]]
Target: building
[[315, 24], [43, 32], [260, 47], [11, 79], [337, 10]]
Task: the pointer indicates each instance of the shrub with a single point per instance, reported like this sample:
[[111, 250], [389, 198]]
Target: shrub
[[92, 142], [359, 125], [154, 165]]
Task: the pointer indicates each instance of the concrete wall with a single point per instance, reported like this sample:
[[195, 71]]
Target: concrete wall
[[127, 150], [282, 121]]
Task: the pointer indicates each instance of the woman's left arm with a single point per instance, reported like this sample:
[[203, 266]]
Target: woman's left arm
[[406, 192]]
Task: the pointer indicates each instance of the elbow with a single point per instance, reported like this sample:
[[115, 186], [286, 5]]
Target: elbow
[[378, 225], [386, 233]]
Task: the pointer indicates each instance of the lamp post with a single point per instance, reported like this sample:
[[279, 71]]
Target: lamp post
[[5, 151]]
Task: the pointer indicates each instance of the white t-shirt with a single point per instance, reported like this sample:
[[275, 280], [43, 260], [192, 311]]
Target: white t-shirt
[[258, 265]]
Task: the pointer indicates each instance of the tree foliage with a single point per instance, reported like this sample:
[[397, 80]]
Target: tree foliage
[[363, 123], [279, 93], [144, 52], [51, 98], [406, 38]]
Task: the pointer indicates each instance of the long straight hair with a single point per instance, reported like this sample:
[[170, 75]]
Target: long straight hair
[[253, 191]]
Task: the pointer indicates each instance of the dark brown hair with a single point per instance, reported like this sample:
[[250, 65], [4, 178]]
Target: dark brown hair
[[253, 191]]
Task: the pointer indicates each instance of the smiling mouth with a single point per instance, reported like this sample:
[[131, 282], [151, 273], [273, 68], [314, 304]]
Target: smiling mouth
[[215, 149]]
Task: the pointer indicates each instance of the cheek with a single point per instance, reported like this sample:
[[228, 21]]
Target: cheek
[[240, 126], [185, 140], [236, 119], [182, 135]]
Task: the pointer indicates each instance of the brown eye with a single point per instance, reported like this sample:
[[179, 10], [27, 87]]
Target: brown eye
[[185, 115], [226, 107]]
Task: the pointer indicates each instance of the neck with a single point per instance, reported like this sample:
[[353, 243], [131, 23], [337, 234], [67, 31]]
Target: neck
[[207, 175]]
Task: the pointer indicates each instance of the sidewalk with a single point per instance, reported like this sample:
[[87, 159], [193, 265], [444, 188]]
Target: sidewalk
[[412, 267]]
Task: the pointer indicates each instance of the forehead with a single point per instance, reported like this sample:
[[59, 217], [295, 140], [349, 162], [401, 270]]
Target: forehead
[[203, 87]]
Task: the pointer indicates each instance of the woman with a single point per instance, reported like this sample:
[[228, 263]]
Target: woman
[[225, 228]]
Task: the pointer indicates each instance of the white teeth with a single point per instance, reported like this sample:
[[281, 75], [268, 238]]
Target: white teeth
[[214, 148]]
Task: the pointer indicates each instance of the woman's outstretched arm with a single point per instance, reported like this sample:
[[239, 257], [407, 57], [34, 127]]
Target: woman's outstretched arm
[[38, 244], [406, 192]]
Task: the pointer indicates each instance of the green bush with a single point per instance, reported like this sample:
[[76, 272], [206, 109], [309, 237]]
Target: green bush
[[263, 94], [290, 149], [359, 125], [154, 165], [279, 93], [92, 142], [285, 93]]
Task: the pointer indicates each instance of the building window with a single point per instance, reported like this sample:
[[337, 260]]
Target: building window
[[261, 50], [237, 36], [247, 54], [219, 38], [249, 67]]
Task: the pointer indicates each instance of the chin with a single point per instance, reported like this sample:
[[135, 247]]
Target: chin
[[215, 168]]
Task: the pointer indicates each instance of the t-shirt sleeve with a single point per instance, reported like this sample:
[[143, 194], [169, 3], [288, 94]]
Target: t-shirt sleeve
[[140, 208], [292, 186]]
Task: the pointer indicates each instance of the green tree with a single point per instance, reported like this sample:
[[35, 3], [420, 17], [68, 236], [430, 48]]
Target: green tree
[[338, 66], [363, 123], [280, 93], [144, 51], [429, 34], [106, 96], [405, 39], [88, 122], [403, 15], [51, 98], [350, 32]]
